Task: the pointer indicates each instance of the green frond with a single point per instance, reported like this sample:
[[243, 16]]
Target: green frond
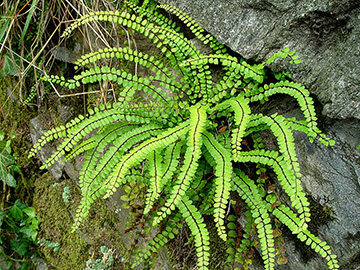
[[48, 136], [243, 68], [156, 184], [229, 85], [137, 23], [152, 15], [99, 164], [250, 193], [201, 83], [125, 54], [283, 54], [83, 126], [192, 155], [240, 106], [179, 45], [196, 29], [140, 152], [201, 183], [198, 229], [280, 129], [288, 218], [123, 18], [161, 239], [223, 173], [302, 95], [123, 78], [290, 184], [97, 167], [163, 171], [81, 148]]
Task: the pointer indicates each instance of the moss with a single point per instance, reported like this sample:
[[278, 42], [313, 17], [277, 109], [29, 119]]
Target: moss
[[14, 120], [56, 221], [102, 227]]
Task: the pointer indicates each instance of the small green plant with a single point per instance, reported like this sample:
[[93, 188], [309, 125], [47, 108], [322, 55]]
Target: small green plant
[[103, 263], [19, 228], [54, 245], [66, 195], [8, 166], [181, 132]]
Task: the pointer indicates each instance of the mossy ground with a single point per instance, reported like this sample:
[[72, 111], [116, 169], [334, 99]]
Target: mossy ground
[[56, 216]]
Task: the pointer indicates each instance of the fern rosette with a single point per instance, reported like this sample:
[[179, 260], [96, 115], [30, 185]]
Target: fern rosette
[[173, 142]]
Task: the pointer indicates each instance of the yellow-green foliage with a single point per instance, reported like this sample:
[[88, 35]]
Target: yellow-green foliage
[[172, 143]]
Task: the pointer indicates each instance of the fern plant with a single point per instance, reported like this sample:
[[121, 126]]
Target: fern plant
[[170, 137]]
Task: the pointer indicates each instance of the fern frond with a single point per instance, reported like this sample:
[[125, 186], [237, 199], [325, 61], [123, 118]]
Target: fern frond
[[139, 153], [120, 77], [243, 68], [100, 164], [223, 171], [123, 18], [137, 23], [48, 136], [290, 184], [126, 54], [198, 229], [249, 192], [96, 168], [179, 45], [161, 239], [287, 217], [240, 106], [285, 140], [194, 27], [81, 148], [164, 171], [156, 184], [192, 155], [283, 54], [302, 95], [227, 87], [97, 118]]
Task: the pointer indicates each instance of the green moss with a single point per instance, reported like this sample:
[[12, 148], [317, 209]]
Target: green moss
[[104, 229], [56, 216], [14, 121], [56, 221]]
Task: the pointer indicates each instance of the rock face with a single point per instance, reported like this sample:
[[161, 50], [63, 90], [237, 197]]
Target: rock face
[[326, 36]]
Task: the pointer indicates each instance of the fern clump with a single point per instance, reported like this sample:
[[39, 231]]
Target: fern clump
[[172, 143]]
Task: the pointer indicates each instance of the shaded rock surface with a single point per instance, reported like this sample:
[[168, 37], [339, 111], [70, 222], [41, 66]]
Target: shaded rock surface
[[325, 35], [331, 176]]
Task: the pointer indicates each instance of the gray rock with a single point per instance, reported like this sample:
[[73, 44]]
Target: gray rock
[[325, 35], [38, 126], [331, 175], [44, 122]]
